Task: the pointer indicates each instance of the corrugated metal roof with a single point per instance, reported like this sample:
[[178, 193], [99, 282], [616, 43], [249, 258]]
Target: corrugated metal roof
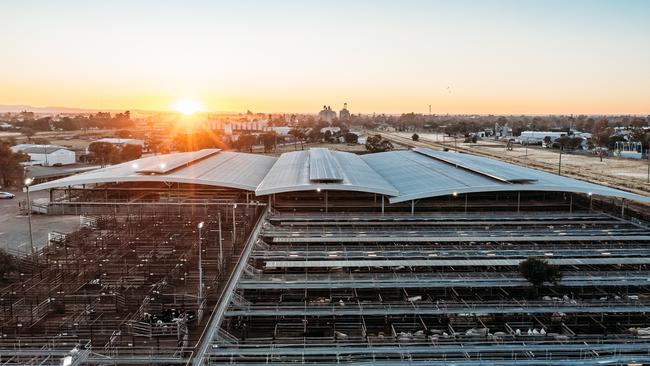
[[402, 175], [224, 169], [417, 176], [292, 172], [42, 150]]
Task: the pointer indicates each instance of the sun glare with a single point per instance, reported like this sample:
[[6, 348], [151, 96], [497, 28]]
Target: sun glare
[[187, 106]]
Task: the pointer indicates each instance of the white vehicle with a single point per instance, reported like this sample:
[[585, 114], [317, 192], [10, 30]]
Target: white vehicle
[[6, 195]]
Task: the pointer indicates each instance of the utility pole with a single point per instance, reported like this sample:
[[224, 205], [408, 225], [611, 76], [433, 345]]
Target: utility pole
[[526, 148], [220, 244], [29, 181], [234, 224], [200, 297], [559, 164]]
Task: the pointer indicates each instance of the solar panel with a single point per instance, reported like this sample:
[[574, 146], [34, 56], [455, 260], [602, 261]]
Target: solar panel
[[168, 163], [493, 169], [323, 166]]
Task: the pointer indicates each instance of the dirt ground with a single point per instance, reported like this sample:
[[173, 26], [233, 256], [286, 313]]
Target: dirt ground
[[75, 144], [354, 148]]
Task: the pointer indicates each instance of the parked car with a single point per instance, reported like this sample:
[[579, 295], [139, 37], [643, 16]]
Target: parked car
[[6, 195]]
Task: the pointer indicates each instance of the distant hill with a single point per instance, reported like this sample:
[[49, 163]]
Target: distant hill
[[20, 108], [71, 110]]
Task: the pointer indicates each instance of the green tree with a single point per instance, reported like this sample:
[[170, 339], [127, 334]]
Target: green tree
[[298, 135], [153, 144], [638, 122], [10, 168], [601, 132], [351, 138], [269, 139], [377, 143], [28, 132], [537, 271], [130, 152], [104, 153], [569, 142], [246, 142], [7, 264], [41, 124], [66, 124]]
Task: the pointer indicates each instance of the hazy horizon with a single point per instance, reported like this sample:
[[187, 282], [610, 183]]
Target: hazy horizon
[[73, 110], [461, 57]]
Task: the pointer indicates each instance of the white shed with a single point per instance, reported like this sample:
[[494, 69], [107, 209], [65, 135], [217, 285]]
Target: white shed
[[47, 155]]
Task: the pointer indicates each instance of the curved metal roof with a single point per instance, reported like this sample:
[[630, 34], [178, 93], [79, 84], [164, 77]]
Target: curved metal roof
[[402, 175], [323, 169], [423, 173], [209, 167]]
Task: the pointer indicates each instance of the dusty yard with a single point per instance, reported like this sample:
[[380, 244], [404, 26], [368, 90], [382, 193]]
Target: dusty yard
[[355, 148]]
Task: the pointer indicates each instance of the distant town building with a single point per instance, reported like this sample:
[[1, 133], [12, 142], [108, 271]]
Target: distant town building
[[629, 149], [232, 127], [344, 114], [332, 130], [502, 131], [46, 155], [327, 114], [279, 130], [537, 137]]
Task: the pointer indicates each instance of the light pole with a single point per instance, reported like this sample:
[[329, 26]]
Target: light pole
[[234, 224], [29, 181], [200, 226], [220, 244], [559, 163], [648, 153], [526, 144]]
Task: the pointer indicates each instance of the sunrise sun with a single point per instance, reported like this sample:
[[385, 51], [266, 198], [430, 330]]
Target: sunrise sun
[[187, 106]]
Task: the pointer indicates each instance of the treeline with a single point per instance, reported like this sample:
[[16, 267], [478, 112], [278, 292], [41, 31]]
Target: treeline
[[460, 124], [11, 171], [105, 153], [101, 120]]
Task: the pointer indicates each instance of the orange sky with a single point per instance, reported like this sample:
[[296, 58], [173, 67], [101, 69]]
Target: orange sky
[[501, 57]]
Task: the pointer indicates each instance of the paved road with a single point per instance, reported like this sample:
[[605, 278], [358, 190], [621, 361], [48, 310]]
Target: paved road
[[14, 231]]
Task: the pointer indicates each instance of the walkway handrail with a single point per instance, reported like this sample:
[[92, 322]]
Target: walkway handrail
[[217, 314]]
